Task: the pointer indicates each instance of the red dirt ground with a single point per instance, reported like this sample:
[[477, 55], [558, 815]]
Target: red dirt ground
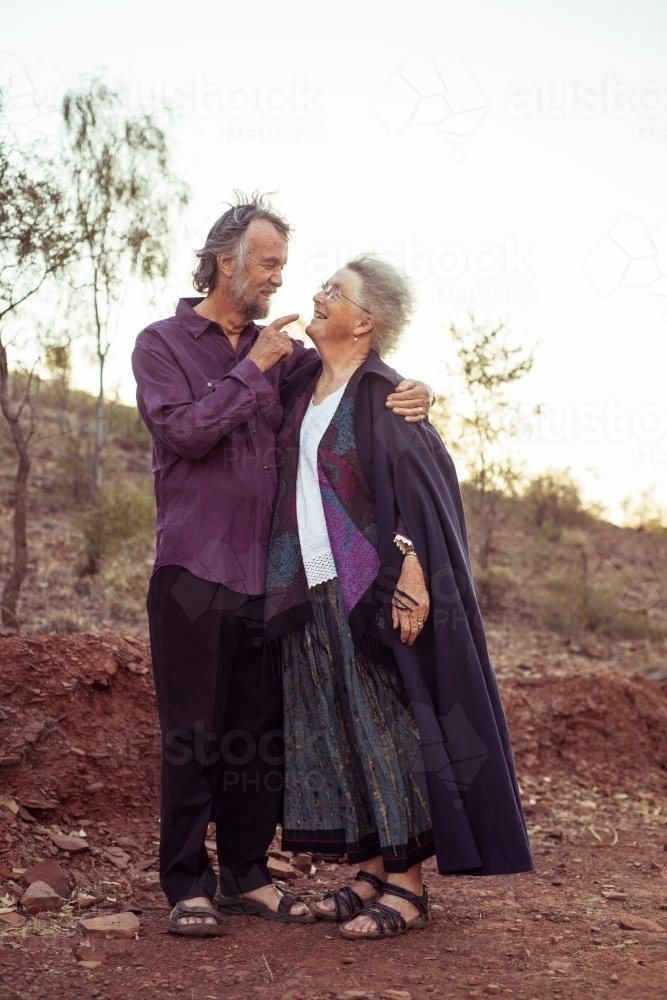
[[79, 750]]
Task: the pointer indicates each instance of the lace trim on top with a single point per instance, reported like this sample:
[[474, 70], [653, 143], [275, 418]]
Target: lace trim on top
[[403, 543], [320, 568]]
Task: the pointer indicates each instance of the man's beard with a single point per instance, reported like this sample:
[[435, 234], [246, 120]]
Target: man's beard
[[247, 299]]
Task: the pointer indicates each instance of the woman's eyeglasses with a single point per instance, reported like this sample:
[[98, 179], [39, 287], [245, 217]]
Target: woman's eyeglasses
[[333, 292]]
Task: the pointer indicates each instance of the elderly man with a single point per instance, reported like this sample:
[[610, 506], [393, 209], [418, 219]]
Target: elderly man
[[208, 381]]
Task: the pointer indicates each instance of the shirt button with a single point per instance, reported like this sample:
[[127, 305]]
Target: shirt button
[[254, 431], [266, 466], [209, 384]]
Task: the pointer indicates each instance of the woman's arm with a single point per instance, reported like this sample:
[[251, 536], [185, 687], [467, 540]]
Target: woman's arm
[[411, 603]]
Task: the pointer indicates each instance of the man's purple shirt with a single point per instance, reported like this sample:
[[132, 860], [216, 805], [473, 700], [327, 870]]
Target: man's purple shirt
[[213, 417]]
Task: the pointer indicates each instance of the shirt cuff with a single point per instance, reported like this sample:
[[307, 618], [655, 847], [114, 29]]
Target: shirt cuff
[[404, 544], [248, 373]]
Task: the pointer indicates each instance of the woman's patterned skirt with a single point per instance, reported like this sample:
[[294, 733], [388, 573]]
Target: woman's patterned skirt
[[354, 774]]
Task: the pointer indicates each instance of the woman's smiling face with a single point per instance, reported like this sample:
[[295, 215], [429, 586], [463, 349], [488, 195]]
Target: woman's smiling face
[[337, 312]]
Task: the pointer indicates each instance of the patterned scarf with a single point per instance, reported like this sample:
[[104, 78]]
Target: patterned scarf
[[349, 511]]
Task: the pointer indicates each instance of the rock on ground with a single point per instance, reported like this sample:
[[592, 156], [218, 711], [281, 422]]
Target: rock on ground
[[40, 897], [121, 925], [49, 872]]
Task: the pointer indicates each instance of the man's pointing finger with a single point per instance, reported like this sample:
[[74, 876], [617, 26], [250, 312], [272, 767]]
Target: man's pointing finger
[[285, 320]]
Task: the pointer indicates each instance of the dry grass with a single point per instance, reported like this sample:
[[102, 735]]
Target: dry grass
[[559, 566]]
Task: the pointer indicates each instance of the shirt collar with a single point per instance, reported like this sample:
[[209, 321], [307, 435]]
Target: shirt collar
[[196, 324], [192, 321]]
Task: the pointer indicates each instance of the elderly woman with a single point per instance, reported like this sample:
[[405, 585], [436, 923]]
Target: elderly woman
[[396, 743]]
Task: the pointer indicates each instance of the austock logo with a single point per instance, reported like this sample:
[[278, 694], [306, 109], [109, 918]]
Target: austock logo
[[272, 112], [481, 275], [421, 93], [630, 256], [32, 95], [586, 99]]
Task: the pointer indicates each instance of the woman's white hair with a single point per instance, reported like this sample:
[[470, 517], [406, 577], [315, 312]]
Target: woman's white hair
[[389, 296]]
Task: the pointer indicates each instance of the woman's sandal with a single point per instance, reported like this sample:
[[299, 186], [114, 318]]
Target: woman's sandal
[[199, 929], [389, 922], [346, 901], [240, 906]]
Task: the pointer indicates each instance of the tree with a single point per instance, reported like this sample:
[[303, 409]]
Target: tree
[[125, 201], [645, 513], [36, 243], [553, 498], [488, 367], [58, 363]]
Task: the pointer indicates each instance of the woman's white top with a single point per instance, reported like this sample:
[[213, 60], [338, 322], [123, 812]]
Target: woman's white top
[[318, 559]]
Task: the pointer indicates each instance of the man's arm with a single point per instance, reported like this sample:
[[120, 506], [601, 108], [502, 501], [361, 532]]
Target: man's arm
[[191, 427], [411, 399]]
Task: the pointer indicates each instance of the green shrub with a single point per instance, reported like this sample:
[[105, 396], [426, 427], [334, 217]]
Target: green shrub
[[66, 623], [562, 605], [645, 514], [125, 513], [569, 603], [493, 585], [554, 499], [73, 480], [635, 625]]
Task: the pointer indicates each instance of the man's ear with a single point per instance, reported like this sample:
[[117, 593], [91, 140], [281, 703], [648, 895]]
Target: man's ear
[[226, 265]]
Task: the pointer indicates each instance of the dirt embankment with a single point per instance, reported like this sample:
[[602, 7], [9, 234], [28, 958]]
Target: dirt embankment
[[609, 729], [79, 749], [78, 729], [79, 733]]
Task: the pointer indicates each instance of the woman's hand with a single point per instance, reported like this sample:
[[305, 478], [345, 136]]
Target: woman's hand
[[411, 603]]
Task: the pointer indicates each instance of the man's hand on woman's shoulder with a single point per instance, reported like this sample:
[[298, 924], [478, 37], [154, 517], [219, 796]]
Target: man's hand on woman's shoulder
[[411, 399]]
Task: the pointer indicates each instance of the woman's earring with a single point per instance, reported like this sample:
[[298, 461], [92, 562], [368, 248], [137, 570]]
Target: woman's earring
[[355, 339]]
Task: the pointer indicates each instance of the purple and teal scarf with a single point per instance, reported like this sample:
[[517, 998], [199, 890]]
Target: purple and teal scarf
[[349, 511]]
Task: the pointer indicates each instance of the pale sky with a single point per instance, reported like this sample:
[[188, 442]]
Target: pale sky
[[512, 156]]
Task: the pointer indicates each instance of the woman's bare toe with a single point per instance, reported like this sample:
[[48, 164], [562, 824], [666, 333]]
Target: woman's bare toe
[[361, 924]]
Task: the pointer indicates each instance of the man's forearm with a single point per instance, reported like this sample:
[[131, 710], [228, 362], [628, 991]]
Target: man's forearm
[[190, 427]]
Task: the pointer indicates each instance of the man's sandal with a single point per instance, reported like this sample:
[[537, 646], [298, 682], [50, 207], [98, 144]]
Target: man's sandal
[[242, 906], [389, 922], [199, 929], [347, 902]]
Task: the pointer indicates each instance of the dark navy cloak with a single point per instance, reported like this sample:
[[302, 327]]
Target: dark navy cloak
[[478, 822]]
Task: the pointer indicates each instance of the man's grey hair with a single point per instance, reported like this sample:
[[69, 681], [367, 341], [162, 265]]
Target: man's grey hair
[[389, 296], [228, 236]]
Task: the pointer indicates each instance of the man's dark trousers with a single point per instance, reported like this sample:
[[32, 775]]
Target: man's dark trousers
[[220, 712]]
